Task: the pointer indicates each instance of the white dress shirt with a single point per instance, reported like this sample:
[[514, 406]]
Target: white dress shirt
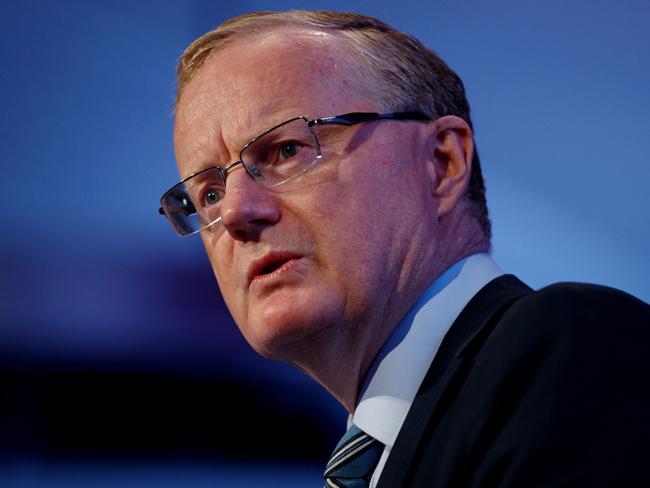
[[399, 368]]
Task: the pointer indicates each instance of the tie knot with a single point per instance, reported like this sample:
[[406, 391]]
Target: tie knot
[[353, 460]]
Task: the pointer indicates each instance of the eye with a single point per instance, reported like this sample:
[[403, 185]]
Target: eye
[[211, 197], [288, 149]]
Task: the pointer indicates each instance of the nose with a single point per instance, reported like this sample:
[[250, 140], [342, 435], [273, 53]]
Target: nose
[[247, 207]]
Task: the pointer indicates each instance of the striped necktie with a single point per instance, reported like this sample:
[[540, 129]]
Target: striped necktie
[[353, 461]]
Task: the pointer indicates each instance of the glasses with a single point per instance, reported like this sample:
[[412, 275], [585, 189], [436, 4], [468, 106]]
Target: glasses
[[273, 158]]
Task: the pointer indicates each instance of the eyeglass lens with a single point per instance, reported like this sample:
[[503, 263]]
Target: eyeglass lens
[[273, 158]]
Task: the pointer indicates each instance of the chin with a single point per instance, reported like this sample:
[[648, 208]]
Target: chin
[[282, 331], [276, 337]]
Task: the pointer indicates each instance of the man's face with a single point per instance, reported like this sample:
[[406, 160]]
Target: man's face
[[302, 266]]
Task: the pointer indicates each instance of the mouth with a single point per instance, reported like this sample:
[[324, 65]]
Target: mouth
[[272, 267], [269, 265]]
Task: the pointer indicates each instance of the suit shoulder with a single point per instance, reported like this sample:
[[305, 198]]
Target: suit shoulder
[[585, 293], [559, 382], [544, 394], [571, 325], [567, 309]]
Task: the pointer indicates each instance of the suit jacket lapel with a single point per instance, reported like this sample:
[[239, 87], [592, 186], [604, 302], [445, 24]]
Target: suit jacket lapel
[[466, 334]]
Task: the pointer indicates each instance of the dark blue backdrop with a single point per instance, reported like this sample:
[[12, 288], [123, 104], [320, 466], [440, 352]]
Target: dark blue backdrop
[[108, 319]]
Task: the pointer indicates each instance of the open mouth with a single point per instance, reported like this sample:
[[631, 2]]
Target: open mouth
[[273, 264], [270, 268]]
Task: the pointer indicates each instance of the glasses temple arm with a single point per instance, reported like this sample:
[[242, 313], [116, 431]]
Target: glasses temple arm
[[353, 118]]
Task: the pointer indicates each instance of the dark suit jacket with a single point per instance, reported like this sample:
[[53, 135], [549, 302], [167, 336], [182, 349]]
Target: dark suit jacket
[[546, 388]]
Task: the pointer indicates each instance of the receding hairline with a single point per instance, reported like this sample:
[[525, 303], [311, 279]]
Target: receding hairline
[[206, 46], [324, 60]]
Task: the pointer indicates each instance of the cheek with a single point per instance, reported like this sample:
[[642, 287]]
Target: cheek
[[372, 216], [220, 254], [351, 239], [210, 246]]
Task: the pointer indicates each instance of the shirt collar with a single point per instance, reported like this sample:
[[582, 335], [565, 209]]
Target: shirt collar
[[402, 362]]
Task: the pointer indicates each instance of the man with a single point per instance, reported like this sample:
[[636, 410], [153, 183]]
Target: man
[[329, 166]]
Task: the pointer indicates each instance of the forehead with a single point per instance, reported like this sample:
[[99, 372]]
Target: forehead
[[254, 82], [286, 60]]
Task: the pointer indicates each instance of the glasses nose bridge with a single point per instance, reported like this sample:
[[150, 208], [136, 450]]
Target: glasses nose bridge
[[225, 172]]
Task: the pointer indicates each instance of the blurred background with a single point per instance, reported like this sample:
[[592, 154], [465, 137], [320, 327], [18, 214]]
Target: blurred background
[[119, 364]]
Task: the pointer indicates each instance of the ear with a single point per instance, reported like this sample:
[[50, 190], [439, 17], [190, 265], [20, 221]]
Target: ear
[[450, 160]]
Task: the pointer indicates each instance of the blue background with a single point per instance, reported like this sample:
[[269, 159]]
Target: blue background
[[94, 284]]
